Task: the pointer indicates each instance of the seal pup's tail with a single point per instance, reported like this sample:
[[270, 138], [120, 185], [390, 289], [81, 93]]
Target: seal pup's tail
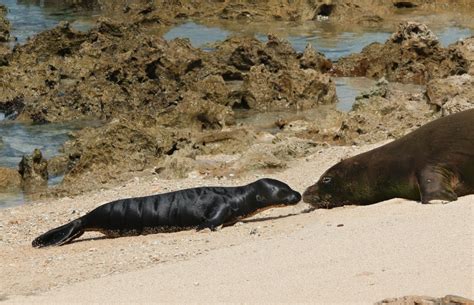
[[60, 235]]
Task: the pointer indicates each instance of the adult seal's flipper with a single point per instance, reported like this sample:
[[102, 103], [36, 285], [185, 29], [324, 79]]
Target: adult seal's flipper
[[60, 235], [435, 183]]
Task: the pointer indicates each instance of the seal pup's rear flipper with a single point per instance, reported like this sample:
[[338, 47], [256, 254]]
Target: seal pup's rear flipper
[[59, 235], [435, 184]]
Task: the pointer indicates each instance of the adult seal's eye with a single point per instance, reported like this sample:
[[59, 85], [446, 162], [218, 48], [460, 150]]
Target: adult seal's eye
[[326, 180]]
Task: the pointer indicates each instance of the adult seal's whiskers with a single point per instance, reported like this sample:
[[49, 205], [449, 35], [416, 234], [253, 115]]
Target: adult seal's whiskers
[[433, 163]]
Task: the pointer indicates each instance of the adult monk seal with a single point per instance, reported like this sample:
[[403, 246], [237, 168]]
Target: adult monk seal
[[434, 162], [201, 207]]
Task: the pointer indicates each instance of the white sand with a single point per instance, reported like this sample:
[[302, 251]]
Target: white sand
[[390, 249]]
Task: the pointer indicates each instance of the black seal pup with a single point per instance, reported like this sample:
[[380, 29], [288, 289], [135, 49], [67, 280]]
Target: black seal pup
[[433, 163], [199, 208]]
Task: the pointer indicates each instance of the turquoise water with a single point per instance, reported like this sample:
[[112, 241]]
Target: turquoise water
[[28, 18]]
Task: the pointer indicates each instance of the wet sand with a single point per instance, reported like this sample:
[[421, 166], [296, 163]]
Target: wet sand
[[348, 254]]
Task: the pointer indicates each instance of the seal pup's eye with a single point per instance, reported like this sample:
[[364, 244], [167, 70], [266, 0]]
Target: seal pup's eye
[[326, 180], [260, 198]]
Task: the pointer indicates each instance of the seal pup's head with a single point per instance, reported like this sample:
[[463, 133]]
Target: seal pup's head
[[271, 192]]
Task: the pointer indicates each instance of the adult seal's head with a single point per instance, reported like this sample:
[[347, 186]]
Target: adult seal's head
[[433, 163], [271, 192], [347, 182]]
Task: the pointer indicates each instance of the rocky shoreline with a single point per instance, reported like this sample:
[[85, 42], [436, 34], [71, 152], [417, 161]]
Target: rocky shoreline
[[169, 109], [170, 117]]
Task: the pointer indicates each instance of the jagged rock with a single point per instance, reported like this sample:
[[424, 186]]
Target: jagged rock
[[375, 119], [300, 89], [197, 112], [12, 108], [349, 11], [4, 24], [414, 35], [57, 165], [33, 170], [425, 300], [411, 55], [311, 59], [380, 89], [452, 94], [466, 47], [10, 179], [119, 146]]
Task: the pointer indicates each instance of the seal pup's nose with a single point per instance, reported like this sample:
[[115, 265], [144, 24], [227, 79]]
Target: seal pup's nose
[[294, 198]]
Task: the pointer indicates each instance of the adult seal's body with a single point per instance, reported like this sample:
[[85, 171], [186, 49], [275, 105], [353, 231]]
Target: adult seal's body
[[202, 207], [433, 163]]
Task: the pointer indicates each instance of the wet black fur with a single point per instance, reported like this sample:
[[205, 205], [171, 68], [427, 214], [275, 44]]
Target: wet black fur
[[201, 207]]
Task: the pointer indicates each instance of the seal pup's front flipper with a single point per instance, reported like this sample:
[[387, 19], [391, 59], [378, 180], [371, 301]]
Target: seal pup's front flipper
[[435, 183], [60, 235], [217, 219]]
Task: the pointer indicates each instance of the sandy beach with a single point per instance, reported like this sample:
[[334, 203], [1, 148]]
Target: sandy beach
[[104, 100], [344, 255]]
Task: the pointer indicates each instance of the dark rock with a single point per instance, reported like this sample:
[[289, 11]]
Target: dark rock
[[4, 24], [422, 300], [33, 170], [12, 108], [311, 59]]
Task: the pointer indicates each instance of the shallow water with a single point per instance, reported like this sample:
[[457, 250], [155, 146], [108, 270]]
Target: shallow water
[[18, 139], [29, 17], [347, 88], [200, 36], [11, 199], [327, 38]]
